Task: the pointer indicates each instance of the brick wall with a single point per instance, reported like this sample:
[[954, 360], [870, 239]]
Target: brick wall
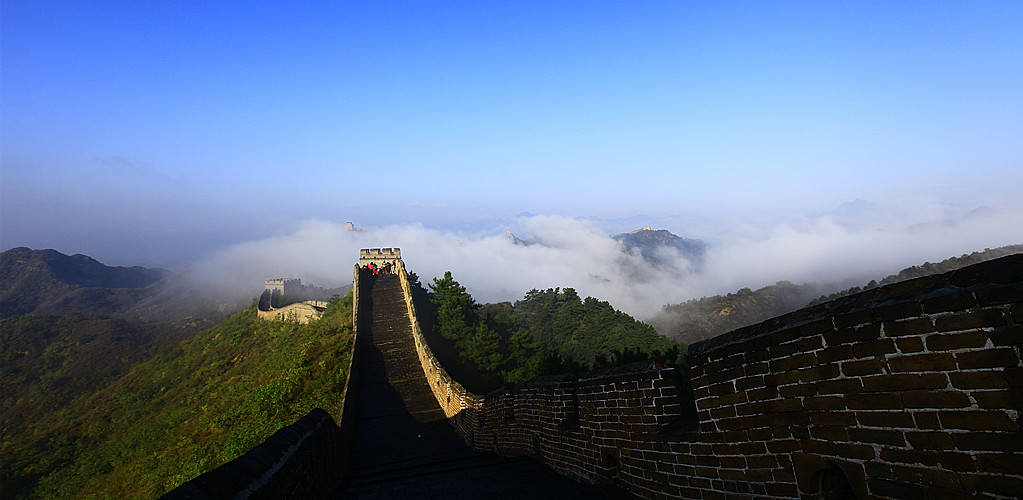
[[461, 406], [912, 390]]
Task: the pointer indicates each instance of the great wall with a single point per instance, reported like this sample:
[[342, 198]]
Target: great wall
[[911, 390]]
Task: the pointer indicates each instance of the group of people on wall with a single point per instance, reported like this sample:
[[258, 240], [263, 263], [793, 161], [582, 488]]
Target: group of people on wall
[[375, 270]]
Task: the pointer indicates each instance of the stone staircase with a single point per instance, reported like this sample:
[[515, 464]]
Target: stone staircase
[[403, 445]]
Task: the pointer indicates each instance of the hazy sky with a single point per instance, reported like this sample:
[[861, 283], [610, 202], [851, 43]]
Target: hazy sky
[[161, 132]]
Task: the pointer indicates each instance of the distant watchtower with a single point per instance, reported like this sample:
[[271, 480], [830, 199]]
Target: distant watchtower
[[281, 285], [378, 256]]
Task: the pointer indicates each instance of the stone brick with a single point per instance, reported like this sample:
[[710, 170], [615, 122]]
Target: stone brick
[[836, 353], [997, 295], [901, 310], [853, 318], [878, 469], [824, 403], [1003, 270], [908, 345], [915, 326], [1001, 463], [930, 440], [886, 419], [945, 342], [810, 343], [762, 394], [834, 418], [952, 300], [817, 327], [783, 446], [889, 437], [783, 405], [874, 401], [956, 461], [855, 451], [746, 409], [926, 362], [988, 358], [722, 412], [782, 350], [935, 399], [819, 447], [1005, 399], [830, 433], [1006, 486], [978, 380], [758, 368], [1014, 376], [904, 382], [721, 389], [840, 386], [873, 348], [977, 420], [988, 441], [1007, 335], [908, 457], [926, 476], [894, 489], [818, 373], [870, 331], [926, 420], [781, 490], [776, 379], [793, 362], [761, 462], [749, 383], [796, 390], [861, 367], [969, 320]]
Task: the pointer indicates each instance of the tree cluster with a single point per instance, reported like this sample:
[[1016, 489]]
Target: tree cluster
[[547, 332]]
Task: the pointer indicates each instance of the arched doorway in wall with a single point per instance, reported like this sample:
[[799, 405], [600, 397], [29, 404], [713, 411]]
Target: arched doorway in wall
[[831, 484]]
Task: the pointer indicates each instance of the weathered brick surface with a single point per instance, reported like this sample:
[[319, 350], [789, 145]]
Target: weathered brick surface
[[911, 390]]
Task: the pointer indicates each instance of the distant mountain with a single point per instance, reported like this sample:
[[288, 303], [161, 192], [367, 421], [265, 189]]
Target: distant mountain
[[47, 281], [707, 317], [649, 242]]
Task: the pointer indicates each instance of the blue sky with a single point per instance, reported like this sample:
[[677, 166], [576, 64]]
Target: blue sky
[[157, 132]]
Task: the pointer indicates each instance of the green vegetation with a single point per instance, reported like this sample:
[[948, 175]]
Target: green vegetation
[[137, 432], [700, 319], [926, 269], [547, 332]]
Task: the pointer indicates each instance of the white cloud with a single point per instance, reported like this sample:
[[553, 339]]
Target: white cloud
[[571, 253]]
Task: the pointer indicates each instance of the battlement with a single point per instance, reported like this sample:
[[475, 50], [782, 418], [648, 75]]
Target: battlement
[[282, 285], [378, 256]]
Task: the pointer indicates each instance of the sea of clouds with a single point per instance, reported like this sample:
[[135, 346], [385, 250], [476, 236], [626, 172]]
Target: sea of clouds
[[858, 242]]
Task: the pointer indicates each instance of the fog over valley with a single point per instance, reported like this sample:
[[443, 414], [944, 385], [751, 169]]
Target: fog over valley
[[849, 246]]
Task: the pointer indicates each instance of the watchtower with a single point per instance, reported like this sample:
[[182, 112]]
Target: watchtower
[[378, 256]]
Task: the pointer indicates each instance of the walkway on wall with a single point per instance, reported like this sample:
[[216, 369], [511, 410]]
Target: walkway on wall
[[403, 445]]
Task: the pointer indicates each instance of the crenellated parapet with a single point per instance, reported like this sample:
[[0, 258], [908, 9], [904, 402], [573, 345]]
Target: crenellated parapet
[[379, 256]]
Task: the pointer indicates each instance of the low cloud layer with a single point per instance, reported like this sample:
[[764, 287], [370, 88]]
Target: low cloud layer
[[860, 241]]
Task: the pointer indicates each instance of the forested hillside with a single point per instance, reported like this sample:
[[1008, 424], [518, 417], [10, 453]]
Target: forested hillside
[[703, 318], [137, 430], [547, 332]]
